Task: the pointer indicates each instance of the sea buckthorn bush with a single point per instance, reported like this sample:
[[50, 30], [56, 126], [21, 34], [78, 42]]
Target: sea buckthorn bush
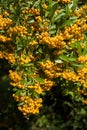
[[43, 51]]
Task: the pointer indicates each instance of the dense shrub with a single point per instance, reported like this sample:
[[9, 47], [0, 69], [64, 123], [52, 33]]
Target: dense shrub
[[43, 62]]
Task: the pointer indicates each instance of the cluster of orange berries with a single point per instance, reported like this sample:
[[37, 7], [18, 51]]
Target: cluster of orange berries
[[82, 59], [31, 11], [73, 32], [4, 22], [80, 12], [49, 69], [33, 43], [14, 76], [82, 92], [84, 101], [82, 24], [1, 55], [83, 45], [8, 56], [38, 19], [24, 59], [80, 76], [37, 88], [70, 75], [64, 1], [17, 29], [48, 84], [76, 31], [44, 6], [82, 72], [15, 79], [4, 38], [6, 14], [52, 42], [30, 105]]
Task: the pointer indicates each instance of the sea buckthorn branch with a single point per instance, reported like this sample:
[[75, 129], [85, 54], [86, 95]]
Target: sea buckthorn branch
[[42, 50]]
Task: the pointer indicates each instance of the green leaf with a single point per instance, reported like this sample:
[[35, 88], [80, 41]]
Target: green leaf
[[75, 2], [70, 93], [64, 58], [78, 84], [18, 41], [58, 61], [20, 103], [39, 80], [26, 65], [23, 93], [30, 71], [71, 21], [47, 13], [43, 93], [58, 17], [53, 6], [67, 11], [40, 50], [77, 45], [22, 82], [52, 29], [72, 58], [79, 65], [49, 1], [84, 52], [2, 31], [19, 48], [31, 21], [83, 111], [36, 95], [18, 92], [51, 9], [15, 89]]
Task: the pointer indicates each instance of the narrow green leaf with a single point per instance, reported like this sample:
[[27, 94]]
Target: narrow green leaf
[[36, 95], [64, 58], [77, 45], [15, 89], [53, 8], [72, 59], [71, 21], [22, 82], [40, 50], [79, 65], [31, 21], [58, 61], [67, 11], [43, 93], [18, 92], [75, 2], [20, 103], [58, 17], [84, 52], [40, 80], [52, 31]]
